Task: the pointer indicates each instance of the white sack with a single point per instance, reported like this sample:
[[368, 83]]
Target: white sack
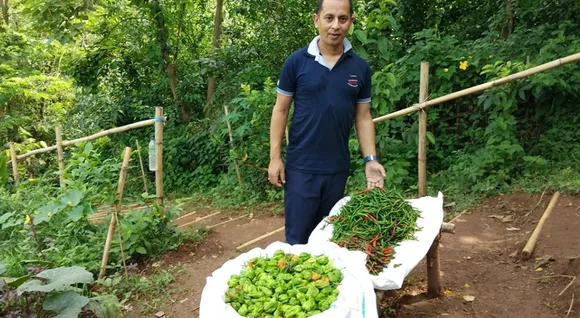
[[356, 299], [409, 253]]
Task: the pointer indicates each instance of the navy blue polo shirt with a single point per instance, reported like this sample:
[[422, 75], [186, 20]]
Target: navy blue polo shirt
[[325, 100]]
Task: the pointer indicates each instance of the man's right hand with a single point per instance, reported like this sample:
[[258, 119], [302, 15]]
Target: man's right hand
[[276, 173]]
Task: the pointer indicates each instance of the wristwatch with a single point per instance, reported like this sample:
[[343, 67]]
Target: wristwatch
[[370, 158]]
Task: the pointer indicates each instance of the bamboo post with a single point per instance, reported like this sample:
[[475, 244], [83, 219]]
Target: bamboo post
[[159, 154], [529, 248], [433, 272], [60, 155], [14, 163], [142, 168], [232, 145], [120, 189], [423, 93]]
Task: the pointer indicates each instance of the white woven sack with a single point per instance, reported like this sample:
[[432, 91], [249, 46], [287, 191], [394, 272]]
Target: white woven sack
[[356, 299], [409, 253]]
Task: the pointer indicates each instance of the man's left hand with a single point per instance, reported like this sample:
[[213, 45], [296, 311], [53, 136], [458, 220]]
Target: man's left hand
[[375, 173]]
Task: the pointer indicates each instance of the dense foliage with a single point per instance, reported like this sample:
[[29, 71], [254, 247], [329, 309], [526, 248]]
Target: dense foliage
[[94, 65]]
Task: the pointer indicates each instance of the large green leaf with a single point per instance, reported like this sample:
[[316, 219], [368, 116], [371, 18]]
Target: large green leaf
[[74, 197], [57, 279], [2, 268], [76, 213], [67, 304]]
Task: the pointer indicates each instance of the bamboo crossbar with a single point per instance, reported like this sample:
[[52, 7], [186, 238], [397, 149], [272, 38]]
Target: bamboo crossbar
[[479, 88], [65, 143]]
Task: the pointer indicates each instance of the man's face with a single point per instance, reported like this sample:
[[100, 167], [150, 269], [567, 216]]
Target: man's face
[[333, 21]]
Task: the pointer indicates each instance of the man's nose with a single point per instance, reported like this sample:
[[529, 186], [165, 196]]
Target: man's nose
[[335, 23]]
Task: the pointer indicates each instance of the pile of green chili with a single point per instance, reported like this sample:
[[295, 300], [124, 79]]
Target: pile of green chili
[[375, 221]]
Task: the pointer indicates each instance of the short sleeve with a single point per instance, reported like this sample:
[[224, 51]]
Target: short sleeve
[[287, 81], [364, 95]]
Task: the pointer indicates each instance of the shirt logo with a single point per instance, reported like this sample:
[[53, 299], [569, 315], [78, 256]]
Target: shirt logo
[[353, 81]]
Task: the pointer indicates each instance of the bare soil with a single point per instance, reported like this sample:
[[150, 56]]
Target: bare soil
[[482, 259]]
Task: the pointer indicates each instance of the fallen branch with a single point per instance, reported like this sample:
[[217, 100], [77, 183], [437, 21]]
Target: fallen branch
[[568, 286], [570, 308], [537, 204], [458, 216]]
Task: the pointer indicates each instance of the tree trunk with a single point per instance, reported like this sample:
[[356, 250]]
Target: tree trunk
[[5, 16], [211, 85], [508, 26], [179, 30], [169, 66]]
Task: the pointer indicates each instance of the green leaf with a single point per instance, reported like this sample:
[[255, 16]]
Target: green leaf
[[88, 148], [2, 268], [431, 137], [74, 197], [141, 250], [361, 36], [383, 46], [68, 304], [56, 279], [76, 213], [13, 282]]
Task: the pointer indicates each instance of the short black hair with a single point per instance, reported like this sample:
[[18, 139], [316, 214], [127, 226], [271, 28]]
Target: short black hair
[[319, 6]]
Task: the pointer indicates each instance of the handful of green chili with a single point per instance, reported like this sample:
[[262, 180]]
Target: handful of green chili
[[375, 221]]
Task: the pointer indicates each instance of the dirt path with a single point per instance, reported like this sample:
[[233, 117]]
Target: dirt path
[[199, 262], [475, 262], [479, 261]]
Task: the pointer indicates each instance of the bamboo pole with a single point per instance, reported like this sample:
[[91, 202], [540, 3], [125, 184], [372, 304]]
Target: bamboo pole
[[260, 238], [65, 143], [199, 219], [236, 166], [480, 88], [120, 189], [423, 93], [14, 163], [433, 272], [159, 154], [529, 248], [60, 155], [142, 168]]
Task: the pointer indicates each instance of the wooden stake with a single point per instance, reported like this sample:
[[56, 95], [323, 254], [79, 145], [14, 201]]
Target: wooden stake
[[14, 163], [120, 189], [480, 88], [142, 168], [529, 248], [60, 155], [260, 238], [159, 152], [236, 166]]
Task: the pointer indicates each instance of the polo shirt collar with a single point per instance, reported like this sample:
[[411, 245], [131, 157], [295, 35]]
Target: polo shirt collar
[[313, 46], [314, 51]]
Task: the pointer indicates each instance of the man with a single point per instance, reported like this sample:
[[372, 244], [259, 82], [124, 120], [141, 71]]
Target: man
[[331, 88]]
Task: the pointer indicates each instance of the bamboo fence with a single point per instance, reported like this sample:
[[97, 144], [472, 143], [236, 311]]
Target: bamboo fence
[[433, 266], [157, 122]]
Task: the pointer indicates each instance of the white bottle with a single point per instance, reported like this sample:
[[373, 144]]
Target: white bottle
[[152, 155]]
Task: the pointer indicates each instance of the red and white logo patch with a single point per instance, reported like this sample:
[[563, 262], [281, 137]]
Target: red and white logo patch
[[353, 81]]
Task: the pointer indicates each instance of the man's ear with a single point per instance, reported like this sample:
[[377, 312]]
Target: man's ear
[[315, 19]]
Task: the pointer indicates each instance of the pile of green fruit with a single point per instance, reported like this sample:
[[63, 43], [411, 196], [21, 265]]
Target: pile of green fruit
[[285, 285]]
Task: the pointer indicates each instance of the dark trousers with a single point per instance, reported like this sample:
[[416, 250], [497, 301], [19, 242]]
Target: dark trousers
[[308, 198]]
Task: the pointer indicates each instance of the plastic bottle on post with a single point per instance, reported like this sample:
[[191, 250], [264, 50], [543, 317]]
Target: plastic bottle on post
[[152, 155]]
